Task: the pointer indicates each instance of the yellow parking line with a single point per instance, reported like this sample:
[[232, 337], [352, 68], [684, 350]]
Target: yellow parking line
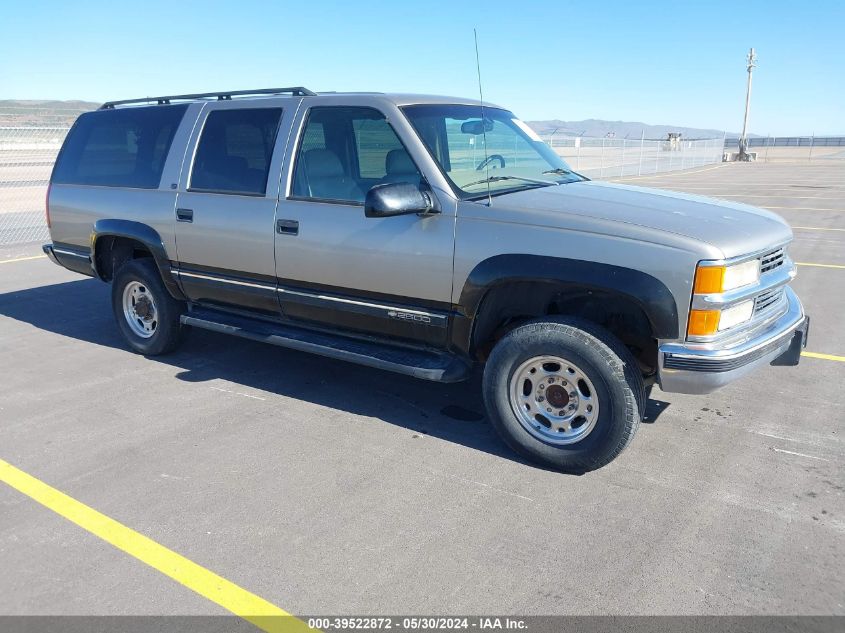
[[840, 359], [231, 597], [21, 259], [820, 265]]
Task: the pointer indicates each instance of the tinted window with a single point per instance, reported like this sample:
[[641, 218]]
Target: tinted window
[[234, 151], [345, 151], [119, 148]]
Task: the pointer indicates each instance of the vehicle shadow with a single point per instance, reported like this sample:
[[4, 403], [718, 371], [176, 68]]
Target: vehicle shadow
[[653, 410], [452, 412]]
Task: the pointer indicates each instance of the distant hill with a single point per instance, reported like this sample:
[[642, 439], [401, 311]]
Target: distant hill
[[42, 113], [621, 129], [63, 113]]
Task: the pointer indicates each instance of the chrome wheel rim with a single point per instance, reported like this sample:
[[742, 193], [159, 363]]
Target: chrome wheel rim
[[554, 400], [139, 309]]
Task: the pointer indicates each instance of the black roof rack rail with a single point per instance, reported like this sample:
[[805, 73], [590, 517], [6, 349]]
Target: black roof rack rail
[[296, 91]]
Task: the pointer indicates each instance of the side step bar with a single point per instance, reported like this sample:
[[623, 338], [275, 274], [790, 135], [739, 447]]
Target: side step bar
[[428, 365]]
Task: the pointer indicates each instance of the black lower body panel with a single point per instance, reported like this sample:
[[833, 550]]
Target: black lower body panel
[[419, 363], [72, 258], [792, 356]]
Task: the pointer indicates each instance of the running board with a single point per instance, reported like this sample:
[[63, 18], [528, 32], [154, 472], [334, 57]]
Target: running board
[[428, 365]]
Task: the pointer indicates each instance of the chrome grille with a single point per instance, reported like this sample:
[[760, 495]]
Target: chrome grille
[[771, 260], [766, 300]]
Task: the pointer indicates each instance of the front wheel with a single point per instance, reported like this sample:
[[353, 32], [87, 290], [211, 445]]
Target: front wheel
[[146, 314], [564, 393]]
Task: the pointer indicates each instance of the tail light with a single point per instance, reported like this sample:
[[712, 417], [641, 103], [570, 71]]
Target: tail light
[[47, 206]]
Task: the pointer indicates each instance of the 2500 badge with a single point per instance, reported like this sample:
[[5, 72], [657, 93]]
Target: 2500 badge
[[409, 316]]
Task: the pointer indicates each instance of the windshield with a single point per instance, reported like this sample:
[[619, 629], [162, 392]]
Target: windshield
[[499, 151]]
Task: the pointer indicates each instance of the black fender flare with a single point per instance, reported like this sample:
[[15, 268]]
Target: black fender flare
[[647, 292], [144, 234]]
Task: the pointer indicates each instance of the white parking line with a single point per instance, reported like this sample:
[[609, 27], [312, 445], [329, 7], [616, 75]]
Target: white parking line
[[238, 393], [781, 450], [755, 195], [674, 173], [801, 208]]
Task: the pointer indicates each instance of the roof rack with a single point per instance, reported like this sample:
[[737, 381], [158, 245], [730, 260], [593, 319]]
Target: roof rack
[[296, 91]]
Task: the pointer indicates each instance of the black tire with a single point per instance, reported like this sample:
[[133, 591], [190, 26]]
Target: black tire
[[168, 330], [606, 362]]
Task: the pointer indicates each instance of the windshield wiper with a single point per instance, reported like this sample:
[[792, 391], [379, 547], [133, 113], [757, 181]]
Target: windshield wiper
[[560, 171], [500, 178]]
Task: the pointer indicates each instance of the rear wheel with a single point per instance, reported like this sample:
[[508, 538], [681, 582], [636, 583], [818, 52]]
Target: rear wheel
[[146, 314], [565, 393]]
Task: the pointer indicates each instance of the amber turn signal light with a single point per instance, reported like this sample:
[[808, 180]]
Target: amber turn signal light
[[703, 322], [709, 279]]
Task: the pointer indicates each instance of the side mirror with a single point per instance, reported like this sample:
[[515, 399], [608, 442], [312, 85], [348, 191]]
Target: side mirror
[[400, 198]]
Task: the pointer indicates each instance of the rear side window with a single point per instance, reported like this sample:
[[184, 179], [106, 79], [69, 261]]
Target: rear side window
[[119, 148], [234, 151]]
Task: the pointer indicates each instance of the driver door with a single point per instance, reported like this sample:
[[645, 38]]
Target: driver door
[[335, 267]]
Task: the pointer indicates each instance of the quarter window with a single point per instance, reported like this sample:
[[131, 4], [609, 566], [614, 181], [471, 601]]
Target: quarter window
[[344, 151], [234, 151], [123, 147]]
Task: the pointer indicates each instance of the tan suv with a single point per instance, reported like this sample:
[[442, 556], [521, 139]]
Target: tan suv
[[427, 236]]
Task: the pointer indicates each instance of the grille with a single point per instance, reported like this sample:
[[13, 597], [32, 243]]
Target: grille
[[767, 300], [771, 260]]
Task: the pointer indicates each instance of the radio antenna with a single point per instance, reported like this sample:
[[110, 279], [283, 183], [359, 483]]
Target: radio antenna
[[483, 121]]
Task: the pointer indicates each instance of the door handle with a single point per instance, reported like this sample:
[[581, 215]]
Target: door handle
[[287, 227], [184, 215]]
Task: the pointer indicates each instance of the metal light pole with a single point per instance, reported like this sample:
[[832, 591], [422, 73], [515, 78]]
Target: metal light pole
[[743, 140]]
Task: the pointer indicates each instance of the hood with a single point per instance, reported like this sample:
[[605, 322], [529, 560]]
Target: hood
[[734, 228]]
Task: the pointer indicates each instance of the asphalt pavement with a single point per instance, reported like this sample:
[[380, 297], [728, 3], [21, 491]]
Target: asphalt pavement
[[328, 488]]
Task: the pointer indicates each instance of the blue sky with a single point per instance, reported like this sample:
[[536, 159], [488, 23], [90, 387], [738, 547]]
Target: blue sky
[[679, 63]]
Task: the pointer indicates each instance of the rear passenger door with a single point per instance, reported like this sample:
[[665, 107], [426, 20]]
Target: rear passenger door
[[387, 276], [226, 204]]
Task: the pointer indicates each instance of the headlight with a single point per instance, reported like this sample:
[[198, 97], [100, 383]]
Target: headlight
[[718, 279], [706, 322], [735, 315]]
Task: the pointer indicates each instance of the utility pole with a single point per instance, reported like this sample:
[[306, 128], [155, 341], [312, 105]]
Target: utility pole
[[743, 140]]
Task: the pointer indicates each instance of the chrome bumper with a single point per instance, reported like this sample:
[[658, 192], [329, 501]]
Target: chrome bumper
[[701, 368], [48, 251]]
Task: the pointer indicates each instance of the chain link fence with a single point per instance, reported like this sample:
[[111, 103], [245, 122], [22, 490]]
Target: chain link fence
[[774, 149], [27, 154], [614, 158]]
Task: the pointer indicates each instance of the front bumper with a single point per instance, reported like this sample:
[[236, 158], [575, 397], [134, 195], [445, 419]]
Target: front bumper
[[701, 368]]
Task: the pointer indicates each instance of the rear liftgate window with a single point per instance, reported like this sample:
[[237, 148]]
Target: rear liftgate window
[[234, 151], [119, 148]]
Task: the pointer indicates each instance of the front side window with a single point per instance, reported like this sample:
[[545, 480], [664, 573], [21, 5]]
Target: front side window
[[234, 151], [497, 151], [345, 151], [123, 147]]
